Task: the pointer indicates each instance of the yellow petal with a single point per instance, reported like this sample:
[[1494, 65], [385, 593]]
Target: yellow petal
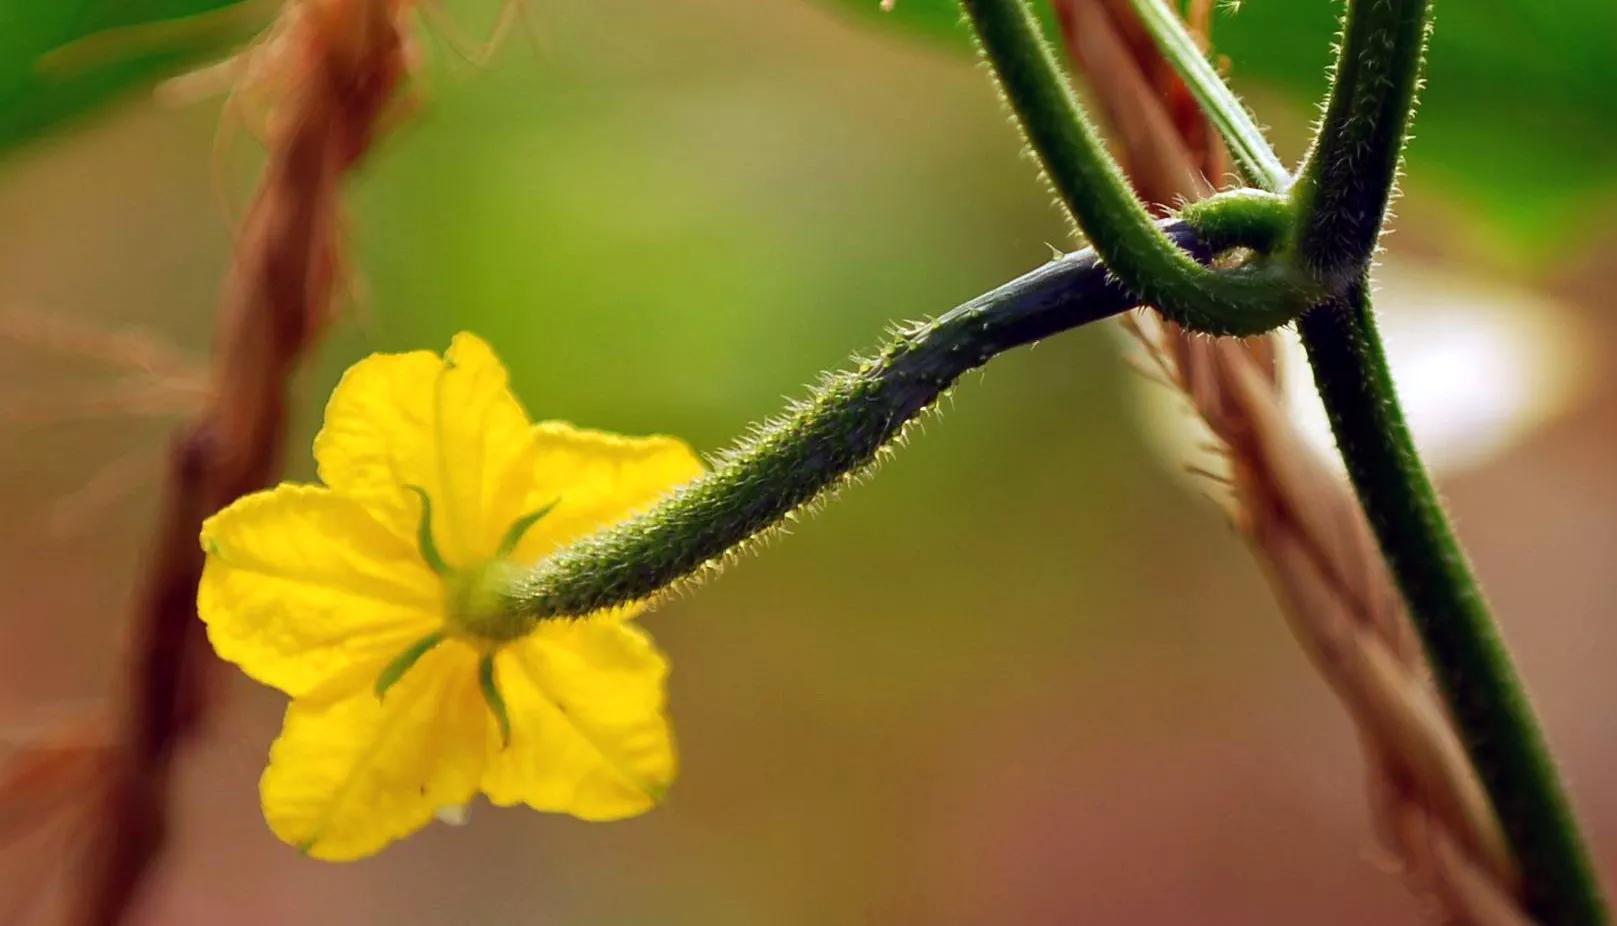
[[302, 588], [588, 733], [450, 426], [347, 777], [596, 479]]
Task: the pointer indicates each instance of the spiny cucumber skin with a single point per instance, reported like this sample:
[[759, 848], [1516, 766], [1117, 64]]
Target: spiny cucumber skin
[[834, 435]]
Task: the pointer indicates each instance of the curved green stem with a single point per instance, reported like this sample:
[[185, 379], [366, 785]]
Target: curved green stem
[[822, 443], [1253, 219], [1258, 162], [1468, 659], [1347, 179], [1258, 296]]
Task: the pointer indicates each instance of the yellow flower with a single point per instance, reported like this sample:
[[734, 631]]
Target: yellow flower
[[360, 600]]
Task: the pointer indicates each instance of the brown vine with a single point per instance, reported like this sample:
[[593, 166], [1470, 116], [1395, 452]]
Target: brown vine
[[328, 72]]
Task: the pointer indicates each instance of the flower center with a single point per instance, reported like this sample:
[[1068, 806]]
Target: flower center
[[475, 603]]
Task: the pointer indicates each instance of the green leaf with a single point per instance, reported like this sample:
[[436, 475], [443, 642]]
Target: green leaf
[[60, 59]]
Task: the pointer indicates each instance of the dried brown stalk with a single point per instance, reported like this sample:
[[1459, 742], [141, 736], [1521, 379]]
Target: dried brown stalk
[[331, 68], [1298, 515]]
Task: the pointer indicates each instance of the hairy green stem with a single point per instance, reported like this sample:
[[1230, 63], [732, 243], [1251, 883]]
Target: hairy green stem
[[1258, 296], [1347, 179], [1468, 659], [1253, 219], [1341, 195], [1257, 160], [839, 431], [1341, 199]]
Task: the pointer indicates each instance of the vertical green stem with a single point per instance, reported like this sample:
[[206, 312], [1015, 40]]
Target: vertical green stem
[[1469, 660], [1341, 196], [1346, 181]]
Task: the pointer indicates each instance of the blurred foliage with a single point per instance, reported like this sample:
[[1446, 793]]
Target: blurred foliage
[[60, 58], [1519, 122]]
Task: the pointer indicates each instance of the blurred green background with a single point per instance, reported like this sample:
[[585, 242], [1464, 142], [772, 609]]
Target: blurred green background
[[1027, 674]]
